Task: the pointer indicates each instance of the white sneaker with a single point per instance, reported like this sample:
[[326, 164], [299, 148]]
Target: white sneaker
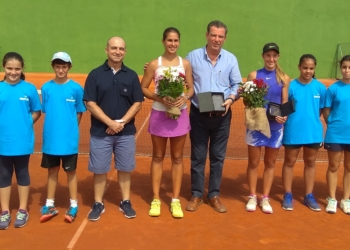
[[331, 206], [345, 205], [251, 205], [265, 205]]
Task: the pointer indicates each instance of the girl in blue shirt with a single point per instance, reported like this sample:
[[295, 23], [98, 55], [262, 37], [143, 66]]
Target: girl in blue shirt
[[308, 95], [19, 110], [337, 141]]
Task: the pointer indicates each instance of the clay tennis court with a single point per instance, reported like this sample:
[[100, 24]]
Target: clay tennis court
[[203, 229]]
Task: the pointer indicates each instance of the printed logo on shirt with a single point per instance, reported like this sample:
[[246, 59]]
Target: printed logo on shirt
[[70, 99], [25, 98], [317, 96], [268, 78]]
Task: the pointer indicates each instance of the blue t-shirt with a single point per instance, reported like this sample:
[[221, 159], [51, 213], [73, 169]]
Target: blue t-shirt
[[304, 126], [61, 103], [17, 102], [338, 100]]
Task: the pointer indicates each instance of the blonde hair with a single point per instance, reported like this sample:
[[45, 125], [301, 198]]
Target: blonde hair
[[280, 75]]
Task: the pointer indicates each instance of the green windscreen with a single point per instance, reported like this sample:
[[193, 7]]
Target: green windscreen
[[38, 28]]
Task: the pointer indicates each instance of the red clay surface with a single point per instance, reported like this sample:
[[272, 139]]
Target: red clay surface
[[203, 229]]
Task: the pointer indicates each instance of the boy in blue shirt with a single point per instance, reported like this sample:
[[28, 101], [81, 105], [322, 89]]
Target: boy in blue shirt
[[62, 103]]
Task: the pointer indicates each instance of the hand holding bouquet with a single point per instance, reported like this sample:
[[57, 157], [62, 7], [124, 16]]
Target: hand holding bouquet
[[253, 93], [171, 85]]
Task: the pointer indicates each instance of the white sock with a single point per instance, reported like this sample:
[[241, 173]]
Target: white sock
[[50, 202], [73, 203], [173, 200]]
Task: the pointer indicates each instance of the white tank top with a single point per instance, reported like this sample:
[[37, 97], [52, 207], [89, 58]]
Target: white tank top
[[160, 71]]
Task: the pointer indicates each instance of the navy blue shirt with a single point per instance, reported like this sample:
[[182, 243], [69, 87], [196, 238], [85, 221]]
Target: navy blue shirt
[[114, 94]]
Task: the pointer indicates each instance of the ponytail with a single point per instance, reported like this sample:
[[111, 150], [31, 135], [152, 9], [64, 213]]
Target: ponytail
[[280, 75]]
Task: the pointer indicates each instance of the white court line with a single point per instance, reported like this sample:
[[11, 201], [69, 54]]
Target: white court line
[[143, 125], [85, 221]]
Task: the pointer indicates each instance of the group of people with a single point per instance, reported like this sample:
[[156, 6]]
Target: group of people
[[113, 95], [63, 105]]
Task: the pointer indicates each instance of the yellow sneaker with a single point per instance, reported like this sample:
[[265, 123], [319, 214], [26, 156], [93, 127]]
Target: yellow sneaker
[[175, 208], [155, 208]]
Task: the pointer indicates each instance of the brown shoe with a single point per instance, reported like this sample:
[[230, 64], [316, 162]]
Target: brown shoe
[[217, 205], [194, 203]]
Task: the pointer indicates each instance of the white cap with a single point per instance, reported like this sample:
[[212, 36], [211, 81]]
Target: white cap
[[62, 56]]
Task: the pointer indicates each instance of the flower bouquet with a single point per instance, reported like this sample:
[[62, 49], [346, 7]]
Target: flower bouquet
[[253, 93], [171, 84]]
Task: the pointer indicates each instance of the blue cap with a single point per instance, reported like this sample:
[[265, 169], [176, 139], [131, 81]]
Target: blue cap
[[62, 56]]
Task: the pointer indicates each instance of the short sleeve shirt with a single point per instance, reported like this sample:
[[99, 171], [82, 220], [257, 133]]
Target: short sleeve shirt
[[61, 103], [114, 94], [304, 126], [17, 103], [338, 100]]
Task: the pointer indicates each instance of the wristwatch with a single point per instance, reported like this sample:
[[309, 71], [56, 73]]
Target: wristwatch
[[230, 98]]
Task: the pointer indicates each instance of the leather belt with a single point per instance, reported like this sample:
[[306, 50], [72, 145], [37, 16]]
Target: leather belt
[[211, 114]]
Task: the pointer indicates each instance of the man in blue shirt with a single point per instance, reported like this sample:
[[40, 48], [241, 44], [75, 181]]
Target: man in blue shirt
[[214, 70]]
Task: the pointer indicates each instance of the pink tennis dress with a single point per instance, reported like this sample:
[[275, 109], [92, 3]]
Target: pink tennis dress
[[160, 124]]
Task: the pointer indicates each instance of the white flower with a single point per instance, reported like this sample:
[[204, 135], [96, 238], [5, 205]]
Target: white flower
[[175, 74], [252, 89], [247, 84]]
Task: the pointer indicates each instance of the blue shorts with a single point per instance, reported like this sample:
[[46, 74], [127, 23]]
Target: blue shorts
[[101, 149], [257, 139]]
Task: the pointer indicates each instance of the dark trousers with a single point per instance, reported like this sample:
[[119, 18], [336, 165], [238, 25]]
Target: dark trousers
[[213, 132]]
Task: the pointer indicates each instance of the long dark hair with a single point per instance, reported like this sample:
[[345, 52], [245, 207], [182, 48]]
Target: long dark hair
[[13, 56]]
